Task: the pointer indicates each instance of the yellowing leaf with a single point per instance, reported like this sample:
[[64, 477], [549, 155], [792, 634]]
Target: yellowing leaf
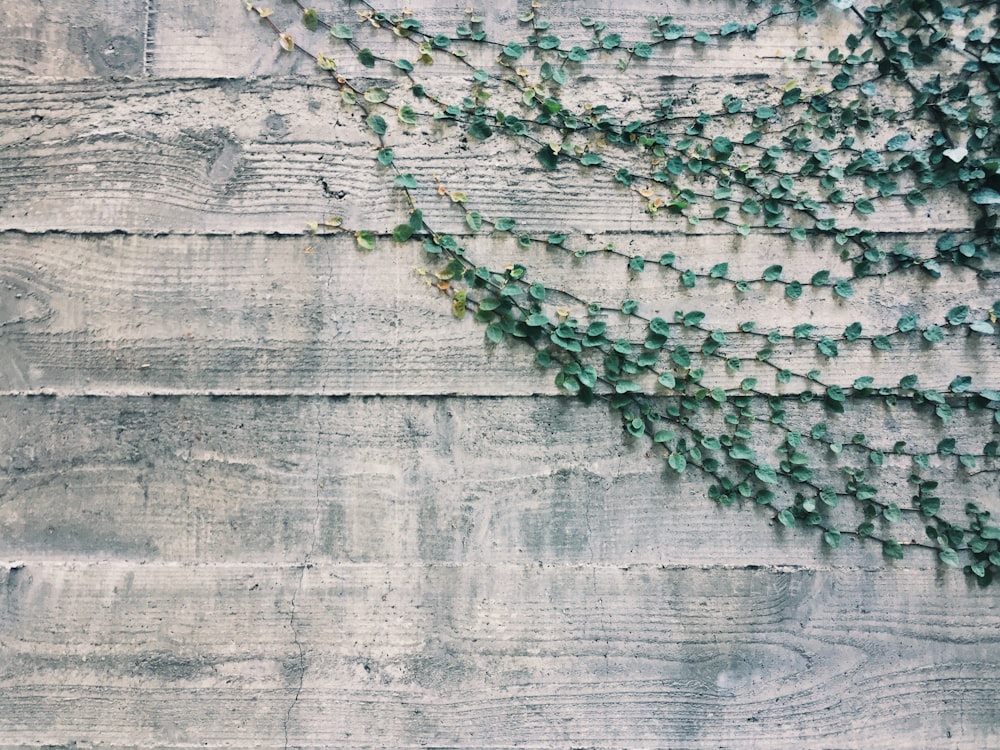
[[458, 304], [325, 63], [375, 95], [285, 40], [265, 12]]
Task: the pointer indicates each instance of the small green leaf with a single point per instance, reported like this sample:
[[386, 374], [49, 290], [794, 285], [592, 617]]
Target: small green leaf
[[843, 288], [892, 549], [677, 462], [474, 221], [786, 518], [897, 142], [934, 334], [864, 206], [513, 51], [339, 31], [960, 384], [949, 557], [827, 347], [829, 497], [719, 270], [591, 160], [772, 273], [310, 19], [407, 115], [627, 386], [494, 332], [659, 326], [504, 224], [406, 180], [548, 158], [386, 156], [986, 197], [416, 219], [365, 239], [832, 538], [957, 315], [611, 41], [458, 304], [402, 233], [892, 513], [536, 320], [693, 318], [377, 124], [480, 129]]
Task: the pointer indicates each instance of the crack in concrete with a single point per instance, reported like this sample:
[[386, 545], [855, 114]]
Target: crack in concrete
[[306, 565]]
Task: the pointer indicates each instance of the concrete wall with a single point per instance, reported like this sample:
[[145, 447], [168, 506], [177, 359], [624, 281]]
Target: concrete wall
[[258, 489]]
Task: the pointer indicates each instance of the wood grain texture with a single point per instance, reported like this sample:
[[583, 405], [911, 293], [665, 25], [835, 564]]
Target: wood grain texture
[[222, 40], [482, 480], [245, 313], [268, 156], [494, 656], [57, 39], [283, 499]]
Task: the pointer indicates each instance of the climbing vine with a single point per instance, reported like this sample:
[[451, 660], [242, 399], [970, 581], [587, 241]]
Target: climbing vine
[[900, 116]]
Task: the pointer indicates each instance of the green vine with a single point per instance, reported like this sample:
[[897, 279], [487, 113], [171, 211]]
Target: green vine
[[902, 114]]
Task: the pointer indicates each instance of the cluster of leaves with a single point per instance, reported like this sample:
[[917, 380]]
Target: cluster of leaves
[[905, 113]]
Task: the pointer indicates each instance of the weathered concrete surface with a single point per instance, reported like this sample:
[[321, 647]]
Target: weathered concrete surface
[[536, 655], [118, 313], [395, 480], [238, 156], [68, 40], [283, 499]]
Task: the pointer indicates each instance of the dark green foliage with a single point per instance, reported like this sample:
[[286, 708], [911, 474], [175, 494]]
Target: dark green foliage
[[798, 167]]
